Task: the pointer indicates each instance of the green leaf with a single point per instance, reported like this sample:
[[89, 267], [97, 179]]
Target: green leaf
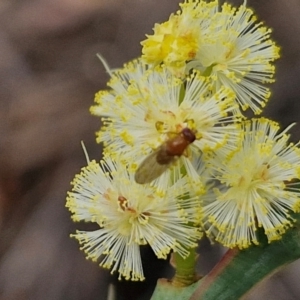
[[237, 272]]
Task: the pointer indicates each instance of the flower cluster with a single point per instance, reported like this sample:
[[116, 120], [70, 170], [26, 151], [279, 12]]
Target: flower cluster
[[227, 45], [179, 157]]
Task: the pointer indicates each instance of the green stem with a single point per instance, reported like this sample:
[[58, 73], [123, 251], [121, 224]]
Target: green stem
[[185, 269]]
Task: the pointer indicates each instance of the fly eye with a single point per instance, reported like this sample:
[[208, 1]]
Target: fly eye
[[188, 134]]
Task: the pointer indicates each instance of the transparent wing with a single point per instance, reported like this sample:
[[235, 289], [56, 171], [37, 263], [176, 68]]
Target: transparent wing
[[150, 169]]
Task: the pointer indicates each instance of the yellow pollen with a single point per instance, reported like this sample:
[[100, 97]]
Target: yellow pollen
[[159, 125]]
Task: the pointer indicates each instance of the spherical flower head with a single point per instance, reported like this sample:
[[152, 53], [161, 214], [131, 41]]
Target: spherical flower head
[[130, 215], [156, 108], [255, 188], [226, 44], [175, 41]]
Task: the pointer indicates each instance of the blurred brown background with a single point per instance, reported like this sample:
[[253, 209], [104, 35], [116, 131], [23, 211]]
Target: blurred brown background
[[49, 74]]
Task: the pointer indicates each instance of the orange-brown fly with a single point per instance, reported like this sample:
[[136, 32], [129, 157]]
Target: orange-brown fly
[[158, 161]]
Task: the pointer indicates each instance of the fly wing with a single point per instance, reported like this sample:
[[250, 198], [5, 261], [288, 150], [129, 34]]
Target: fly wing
[[150, 169]]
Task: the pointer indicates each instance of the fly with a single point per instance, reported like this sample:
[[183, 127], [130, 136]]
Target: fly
[[157, 162]]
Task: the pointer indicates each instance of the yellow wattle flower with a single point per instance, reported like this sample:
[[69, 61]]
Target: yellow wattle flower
[[257, 187], [226, 44], [129, 215]]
